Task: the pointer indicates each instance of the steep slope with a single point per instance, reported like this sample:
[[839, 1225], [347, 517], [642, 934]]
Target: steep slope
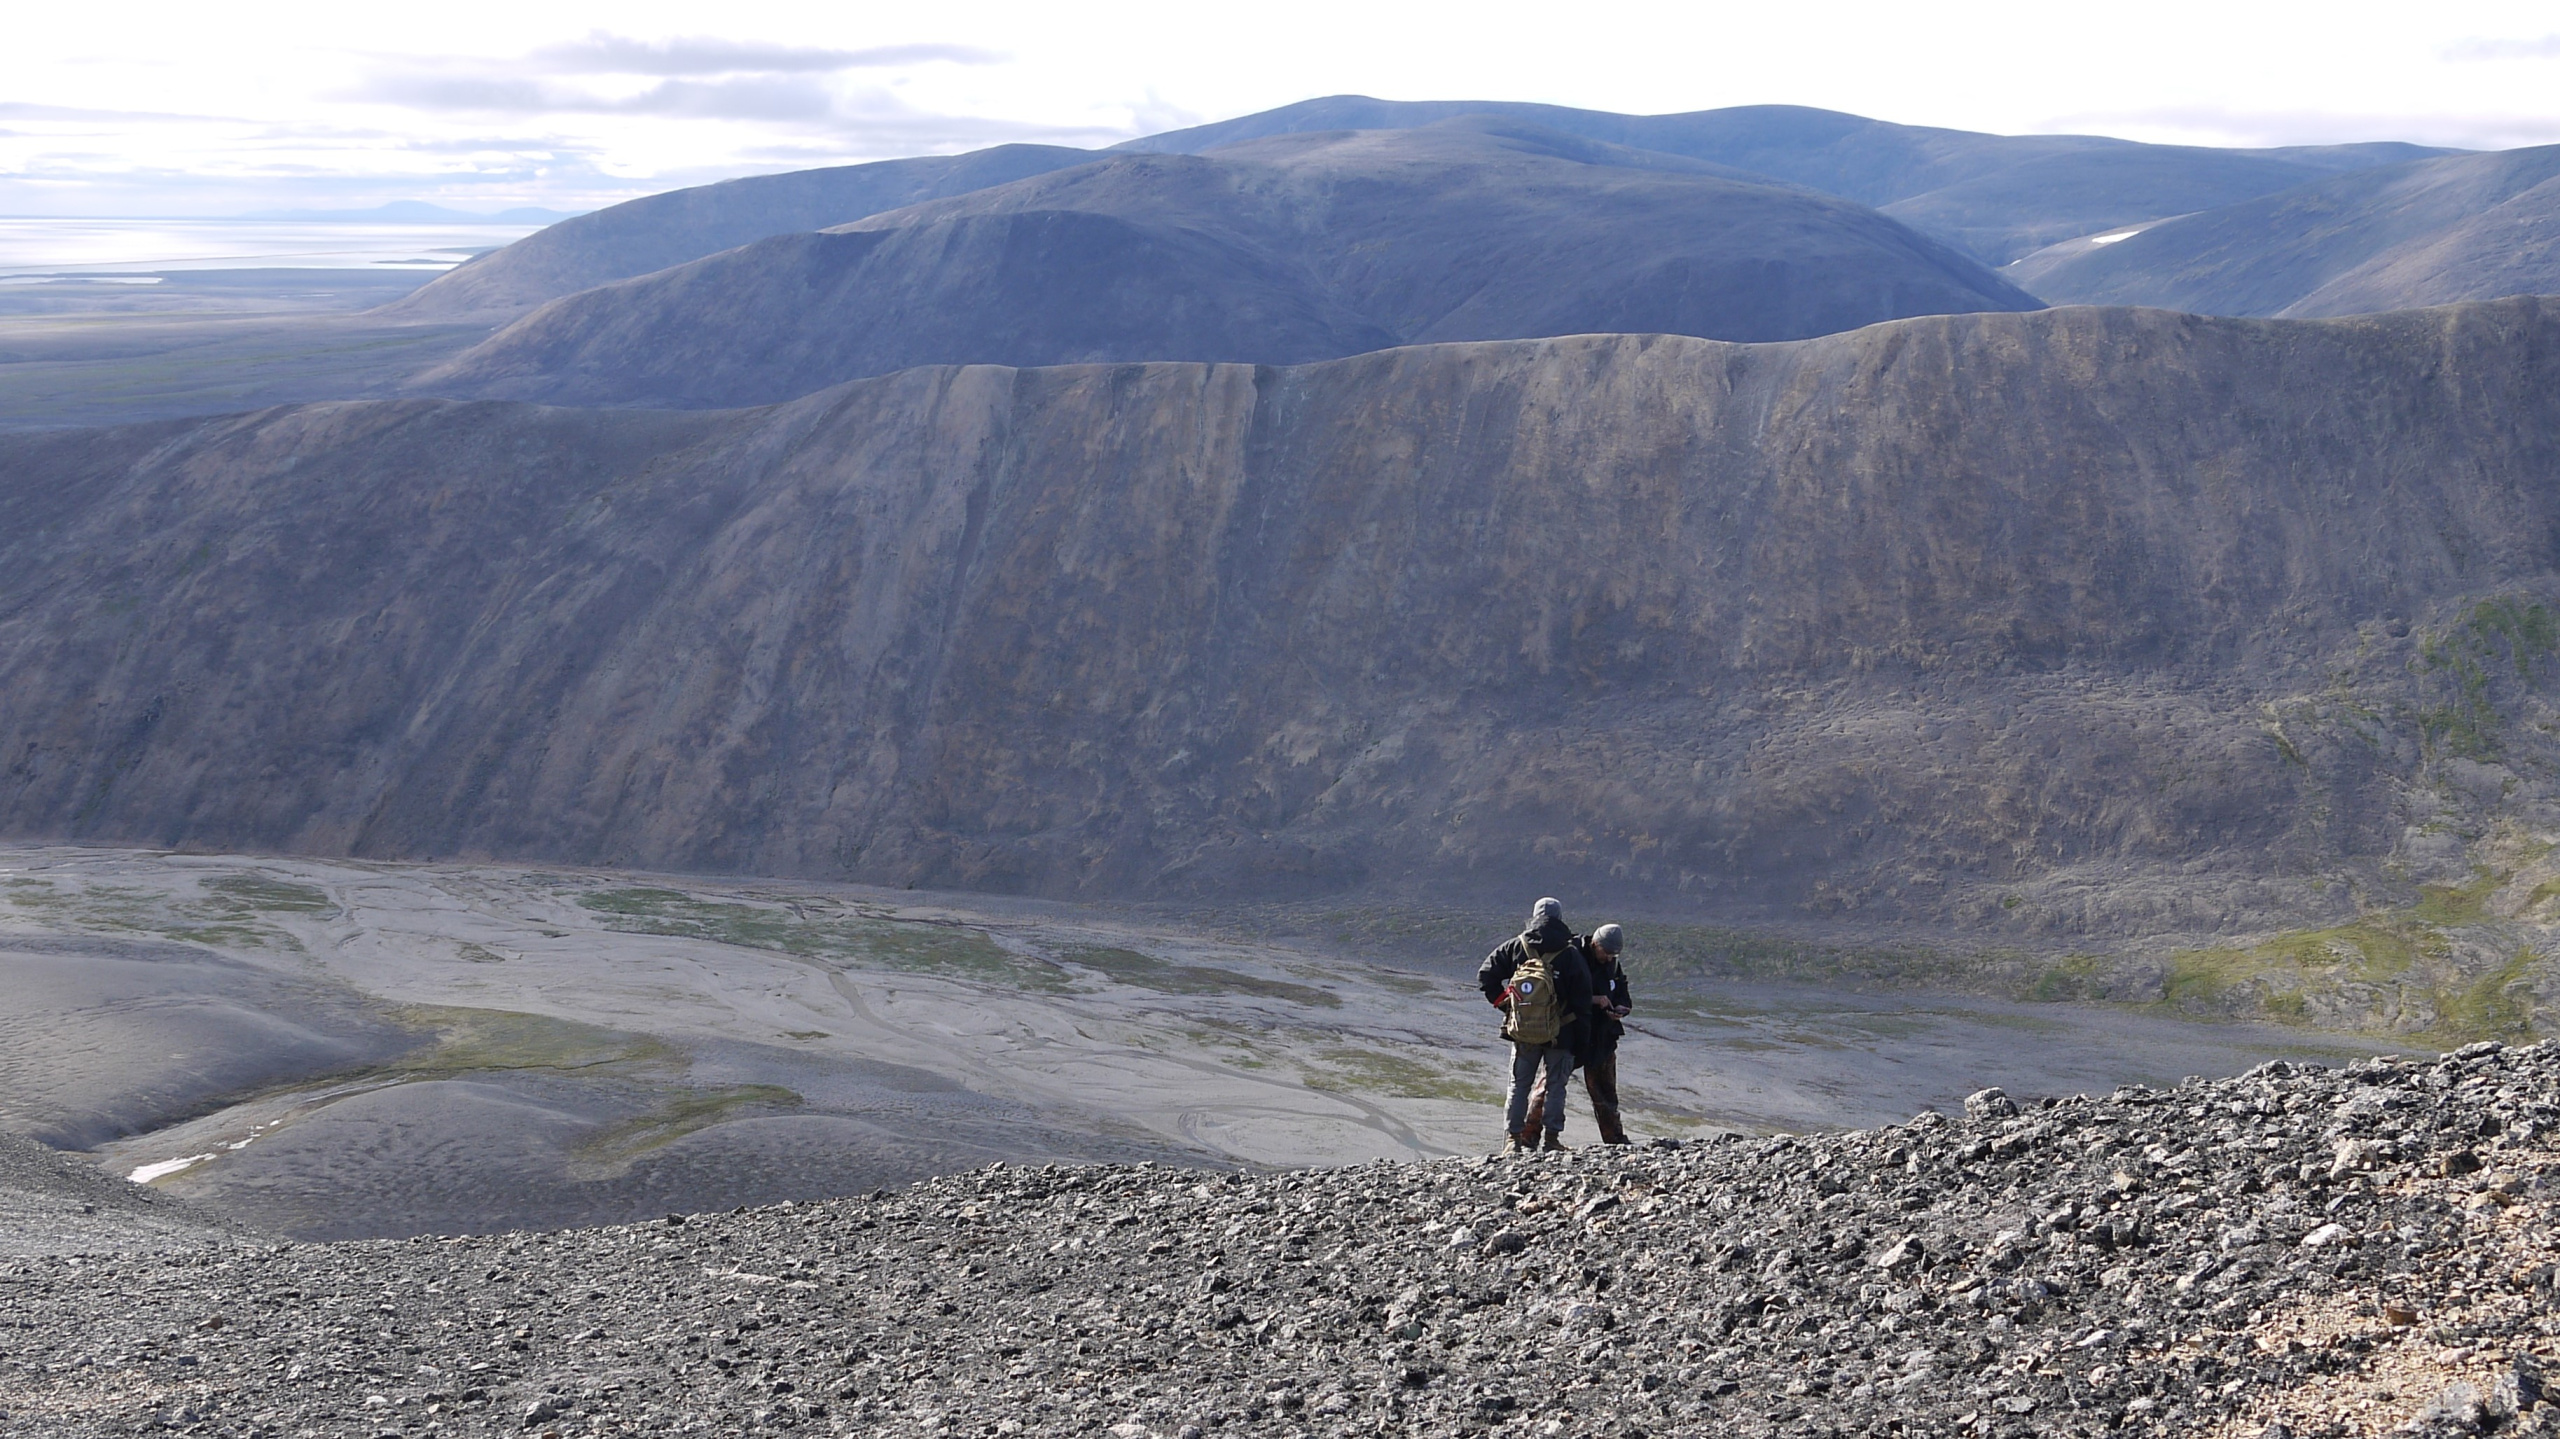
[[656, 231], [1994, 196], [55, 1204], [2096, 623], [1287, 250], [2438, 231], [2349, 1253]]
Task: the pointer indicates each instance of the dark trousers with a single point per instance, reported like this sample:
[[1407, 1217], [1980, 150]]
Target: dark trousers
[[1532, 1097], [1600, 1078]]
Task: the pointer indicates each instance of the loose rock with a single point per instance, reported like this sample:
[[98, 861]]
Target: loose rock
[[2188, 1261]]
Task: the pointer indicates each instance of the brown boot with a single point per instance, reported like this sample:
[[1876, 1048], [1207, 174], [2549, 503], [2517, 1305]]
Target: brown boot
[[1555, 1142]]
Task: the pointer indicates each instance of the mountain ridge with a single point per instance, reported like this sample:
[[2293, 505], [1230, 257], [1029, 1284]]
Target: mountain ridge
[[1285, 250], [1897, 625], [2078, 190], [676, 226], [2048, 186]]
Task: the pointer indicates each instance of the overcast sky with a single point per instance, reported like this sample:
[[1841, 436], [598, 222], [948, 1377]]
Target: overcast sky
[[159, 109]]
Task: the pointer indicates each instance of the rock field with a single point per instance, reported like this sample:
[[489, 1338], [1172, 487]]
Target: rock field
[[2296, 1251]]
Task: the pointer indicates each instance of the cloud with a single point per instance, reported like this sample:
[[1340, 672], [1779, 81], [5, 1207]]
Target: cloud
[[698, 78], [1155, 115], [20, 110], [2215, 125], [604, 53], [868, 120], [778, 97], [2546, 48]]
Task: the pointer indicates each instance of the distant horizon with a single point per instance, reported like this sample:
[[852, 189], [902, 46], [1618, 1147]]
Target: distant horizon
[[318, 215], [558, 105], [66, 248], [507, 209]]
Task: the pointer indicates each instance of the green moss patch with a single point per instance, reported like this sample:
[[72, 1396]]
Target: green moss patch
[[2457, 904], [2291, 978], [2490, 636], [1145, 971], [2498, 1005], [469, 1041], [272, 896], [227, 913], [676, 1116], [2074, 976], [1361, 1070], [862, 938]]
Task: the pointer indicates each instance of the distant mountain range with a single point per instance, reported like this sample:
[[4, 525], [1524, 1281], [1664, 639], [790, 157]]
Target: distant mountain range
[[2298, 231], [908, 522], [1273, 251], [2428, 232], [1993, 197]]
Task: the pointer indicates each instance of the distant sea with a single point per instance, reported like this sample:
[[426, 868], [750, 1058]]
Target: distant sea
[[32, 251]]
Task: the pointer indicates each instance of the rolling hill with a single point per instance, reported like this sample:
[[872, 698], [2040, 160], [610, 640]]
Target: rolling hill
[[656, 231], [1996, 197], [1280, 251], [2431, 232]]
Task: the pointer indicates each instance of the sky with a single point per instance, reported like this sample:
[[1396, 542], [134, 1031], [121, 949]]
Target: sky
[[174, 110]]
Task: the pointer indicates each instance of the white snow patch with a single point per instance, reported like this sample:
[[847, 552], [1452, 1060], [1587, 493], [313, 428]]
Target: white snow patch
[[2118, 235], [165, 1167]]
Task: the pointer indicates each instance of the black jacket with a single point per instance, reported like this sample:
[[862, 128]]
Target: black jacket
[[1573, 981], [1608, 985]]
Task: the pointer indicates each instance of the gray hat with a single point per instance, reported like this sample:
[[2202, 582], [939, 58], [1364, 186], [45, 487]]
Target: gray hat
[[1610, 938], [1545, 912]]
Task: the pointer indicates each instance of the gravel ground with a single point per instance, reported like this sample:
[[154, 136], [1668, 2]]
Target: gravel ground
[[2292, 1252], [56, 1205]]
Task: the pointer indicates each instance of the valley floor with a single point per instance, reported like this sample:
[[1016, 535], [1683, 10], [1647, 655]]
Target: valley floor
[[335, 1049]]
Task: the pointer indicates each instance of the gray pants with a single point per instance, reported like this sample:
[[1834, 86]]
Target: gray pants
[[1527, 1060]]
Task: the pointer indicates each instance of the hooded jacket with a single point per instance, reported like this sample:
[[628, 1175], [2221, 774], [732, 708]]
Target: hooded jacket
[[1572, 977]]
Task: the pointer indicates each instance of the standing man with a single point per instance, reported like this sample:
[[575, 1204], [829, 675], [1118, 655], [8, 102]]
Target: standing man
[[1596, 1046], [1610, 1001], [1539, 982]]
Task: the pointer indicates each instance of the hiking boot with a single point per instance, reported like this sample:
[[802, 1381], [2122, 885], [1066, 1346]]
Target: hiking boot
[[1554, 1143], [1511, 1145]]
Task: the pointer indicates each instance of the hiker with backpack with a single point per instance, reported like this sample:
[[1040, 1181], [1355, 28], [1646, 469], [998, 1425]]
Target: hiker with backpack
[[1596, 1044], [1539, 982]]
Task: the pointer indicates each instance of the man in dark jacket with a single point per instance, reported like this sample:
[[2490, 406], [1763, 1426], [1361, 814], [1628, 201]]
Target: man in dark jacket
[[1596, 1049], [1550, 940]]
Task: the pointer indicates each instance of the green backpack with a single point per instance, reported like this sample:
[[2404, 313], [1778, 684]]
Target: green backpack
[[1535, 1010]]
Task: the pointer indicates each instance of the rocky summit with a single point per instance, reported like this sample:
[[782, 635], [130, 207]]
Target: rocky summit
[[2293, 1252]]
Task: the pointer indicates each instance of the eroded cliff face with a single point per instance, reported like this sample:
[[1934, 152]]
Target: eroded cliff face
[[2128, 611]]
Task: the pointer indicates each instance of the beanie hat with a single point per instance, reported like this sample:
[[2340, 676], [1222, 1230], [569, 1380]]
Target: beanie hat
[[1610, 938]]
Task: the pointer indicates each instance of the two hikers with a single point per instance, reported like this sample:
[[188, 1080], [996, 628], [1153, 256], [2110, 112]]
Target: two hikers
[[1562, 998]]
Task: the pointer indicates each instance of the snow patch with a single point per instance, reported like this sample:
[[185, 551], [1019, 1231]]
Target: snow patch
[[165, 1168]]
